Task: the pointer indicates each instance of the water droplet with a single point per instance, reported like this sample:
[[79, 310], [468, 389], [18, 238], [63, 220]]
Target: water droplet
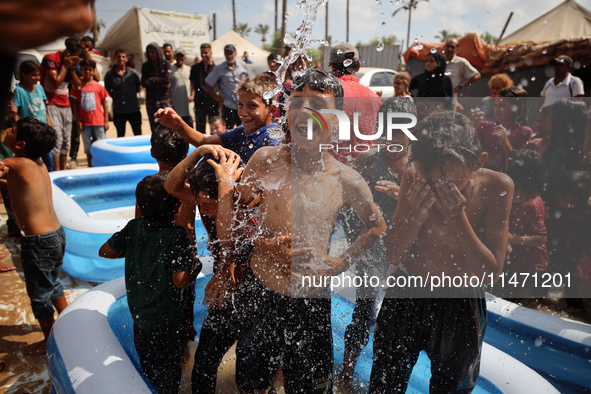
[[557, 214], [380, 47], [545, 21], [418, 46], [339, 52], [512, 68], [432, 75], [347, 62], [538, 341], [503, 193], [433, 50], [544, 52], [268, 95], [510, 48], [383, 24], [447, 72]]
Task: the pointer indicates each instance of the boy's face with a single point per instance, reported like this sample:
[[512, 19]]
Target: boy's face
[[121, 59], [207, 206], [299, 114], [217, 127], [10, 139], [86, 46], [87, 73], [503, 111], [452, 171], [272, 63], [152, 54], [253, 111], [32, 78]]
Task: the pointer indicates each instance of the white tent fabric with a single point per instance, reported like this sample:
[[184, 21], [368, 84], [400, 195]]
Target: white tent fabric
[[256, 54], [141, 26], [568, 20]]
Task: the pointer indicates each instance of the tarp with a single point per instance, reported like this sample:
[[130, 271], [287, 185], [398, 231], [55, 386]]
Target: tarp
[[141, 26], [471, 47], [567, 21], [255, 54]]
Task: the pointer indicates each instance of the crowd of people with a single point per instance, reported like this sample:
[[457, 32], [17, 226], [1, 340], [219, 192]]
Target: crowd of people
[[486, 193]]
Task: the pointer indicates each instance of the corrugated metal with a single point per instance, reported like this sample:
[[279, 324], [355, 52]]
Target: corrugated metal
[[389, 57]]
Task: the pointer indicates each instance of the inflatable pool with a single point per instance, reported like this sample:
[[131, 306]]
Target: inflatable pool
[[124, 150], [91, 349], [92, 204], [557, 348]]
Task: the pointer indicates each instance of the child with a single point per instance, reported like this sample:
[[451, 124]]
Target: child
[[282, 329], [382, 170], [255, 112], [508, 131], [159, 262], [527, 230], [30, 190], [217, 125], [91, 114], [401, 84], [30, 99], [11, 224], [450, 220]]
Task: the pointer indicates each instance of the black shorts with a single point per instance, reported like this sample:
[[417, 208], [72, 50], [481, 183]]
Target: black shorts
[[294, 333]]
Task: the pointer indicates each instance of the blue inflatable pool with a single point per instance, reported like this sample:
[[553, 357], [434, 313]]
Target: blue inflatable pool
[[92, 204]]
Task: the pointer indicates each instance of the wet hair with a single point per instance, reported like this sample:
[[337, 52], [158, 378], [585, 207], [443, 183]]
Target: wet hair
[[87, 63], [88, 39], [168, 146], [153, 200], [569, 118], [442, 137], [120, 50], [320, 81], [517, 98], [216, 119], [503, 78], [27, 67], [272, 56], [39, 137], [258, 85], [202, 177], [528, 170]]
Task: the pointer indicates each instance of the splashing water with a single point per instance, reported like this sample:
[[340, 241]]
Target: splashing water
[[380, 47], [447, 72], [418, 46], [433, 50]]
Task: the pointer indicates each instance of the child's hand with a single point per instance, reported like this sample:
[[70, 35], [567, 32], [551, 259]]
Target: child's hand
[[227, 171], [3, 169], [80, 126], [420, 199], [500, 132], [71, 62], [451, 202], [106, 126], [169, 118], [218, 290], [388, 187]]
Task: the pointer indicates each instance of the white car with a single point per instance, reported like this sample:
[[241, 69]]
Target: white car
[[380, 80]]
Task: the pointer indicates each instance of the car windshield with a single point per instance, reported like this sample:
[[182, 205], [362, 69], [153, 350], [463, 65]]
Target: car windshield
[[359, 74]]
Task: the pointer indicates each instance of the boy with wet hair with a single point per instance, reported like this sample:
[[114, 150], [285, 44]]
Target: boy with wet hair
[[283, 327], [168, 148], [44, 241], [159, 263], [217, 125], [451, 219], [255, 112]]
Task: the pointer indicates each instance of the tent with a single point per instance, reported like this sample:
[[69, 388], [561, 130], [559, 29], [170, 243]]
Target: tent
[[141, 26], [568, 20], [256, 54]]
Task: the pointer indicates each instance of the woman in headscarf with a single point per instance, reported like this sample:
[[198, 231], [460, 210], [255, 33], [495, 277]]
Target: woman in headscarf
[[433, 90]]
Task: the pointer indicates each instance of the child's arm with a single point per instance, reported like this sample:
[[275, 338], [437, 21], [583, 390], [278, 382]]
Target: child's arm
[[176, 181], [414, 204], [169, 118], [528, 240], [108, 253], [183, 279], [485, 256], [106, 112], [48, 120]]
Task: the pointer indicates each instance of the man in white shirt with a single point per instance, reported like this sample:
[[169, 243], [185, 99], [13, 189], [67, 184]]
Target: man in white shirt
[[563, 84], [462, 72], [180, 86]]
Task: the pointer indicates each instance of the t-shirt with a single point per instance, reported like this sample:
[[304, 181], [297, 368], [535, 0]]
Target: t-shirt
[[198, 74], [358, 98], [461, 70], [570, 86], [245, 144], [497, 158], [90, 108], [123, 89], [180, 88], [153, 253], [229, 78], [59, 96], [31, 103], [527, 218]]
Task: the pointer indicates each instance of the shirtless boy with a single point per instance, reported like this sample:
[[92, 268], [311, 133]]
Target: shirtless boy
[[44, 241], [452, 218], [301, 191]]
